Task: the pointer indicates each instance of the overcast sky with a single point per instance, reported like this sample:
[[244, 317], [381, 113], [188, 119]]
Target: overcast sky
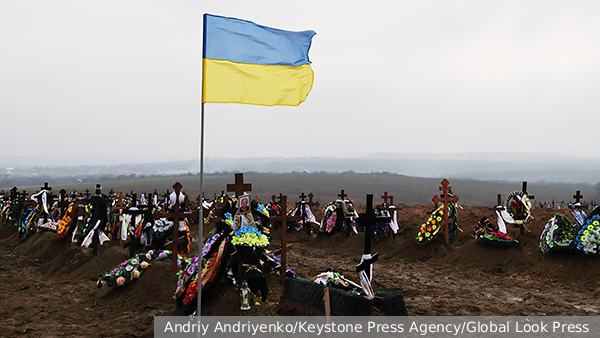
[[119, 81]]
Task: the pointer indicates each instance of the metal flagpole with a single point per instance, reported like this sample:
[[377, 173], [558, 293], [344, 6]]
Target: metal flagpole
[[201, 211]]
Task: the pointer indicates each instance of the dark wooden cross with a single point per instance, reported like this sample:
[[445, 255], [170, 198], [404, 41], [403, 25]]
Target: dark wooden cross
[[342, 195], [578, 196], [524, 190], [367, 219], [99, 204], [111, 193], [63, 202], [50, 198], [445, 199], [87, 193], [284, 218], [239, 186], [176, 215], [14, 194], [302, 205]]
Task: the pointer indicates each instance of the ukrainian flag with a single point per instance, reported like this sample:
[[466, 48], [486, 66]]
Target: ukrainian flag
[[252, 64]]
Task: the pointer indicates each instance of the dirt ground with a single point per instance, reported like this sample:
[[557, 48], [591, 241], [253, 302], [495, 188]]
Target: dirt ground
[[49, 289]]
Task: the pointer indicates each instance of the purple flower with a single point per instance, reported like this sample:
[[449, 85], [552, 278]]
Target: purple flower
[[163, 255]]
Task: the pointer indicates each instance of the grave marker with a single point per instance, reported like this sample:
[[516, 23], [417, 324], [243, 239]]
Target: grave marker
[[578, 196], [367, 219], [239, 186], [284, 218], [445, 199], [176, 214]]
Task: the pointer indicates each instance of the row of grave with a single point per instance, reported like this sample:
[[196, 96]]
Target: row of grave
[[170, 208]]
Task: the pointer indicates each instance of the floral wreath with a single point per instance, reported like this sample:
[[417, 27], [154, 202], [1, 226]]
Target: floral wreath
[[430, 229], [485, 232], [249, 236], [25, 228], [588, 237], [66, 222], [131, 269], [518, 209], [558, 233]]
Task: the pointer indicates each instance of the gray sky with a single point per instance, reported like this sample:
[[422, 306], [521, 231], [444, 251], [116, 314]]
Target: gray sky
[[119, 81]]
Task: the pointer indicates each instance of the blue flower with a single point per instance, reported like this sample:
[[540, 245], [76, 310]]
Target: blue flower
[[596, 218]]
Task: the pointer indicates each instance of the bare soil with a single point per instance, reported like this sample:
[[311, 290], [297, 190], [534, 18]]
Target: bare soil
[[49, 289]]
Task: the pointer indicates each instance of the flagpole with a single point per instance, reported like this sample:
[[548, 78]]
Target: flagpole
[[201, 210]]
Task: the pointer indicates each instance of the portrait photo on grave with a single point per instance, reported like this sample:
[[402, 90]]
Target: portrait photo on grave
[[244, 204]]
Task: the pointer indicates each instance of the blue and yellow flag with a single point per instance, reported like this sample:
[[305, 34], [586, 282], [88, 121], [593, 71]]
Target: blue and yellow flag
[[252, 64]]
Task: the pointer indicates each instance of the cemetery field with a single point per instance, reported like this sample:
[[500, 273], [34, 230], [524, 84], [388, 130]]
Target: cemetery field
[[49, 289]]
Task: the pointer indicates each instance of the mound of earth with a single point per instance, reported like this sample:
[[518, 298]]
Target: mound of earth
[[49, 289]]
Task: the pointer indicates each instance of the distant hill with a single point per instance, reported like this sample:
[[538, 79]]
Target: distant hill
[[325, 186]]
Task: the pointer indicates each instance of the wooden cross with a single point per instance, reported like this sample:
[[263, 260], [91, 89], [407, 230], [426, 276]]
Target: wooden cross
[[284, 218], [176, 215], [302, 197], [14, 194], [49, 199], [99, 204], [111, 193], [387, 200], [239, 186], [499, 205], [343, 195], [302, 205], [367, 220], [87, 193], [63, 202], [578, 196], [445, 198], [524, 190]]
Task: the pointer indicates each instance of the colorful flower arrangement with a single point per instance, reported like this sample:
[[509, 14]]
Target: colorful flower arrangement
[[29, 223], [261, 209], [131, 269], [66, 222], [430, 229], [249, 236], [499, 236], [5, 213], [588, 237], [558, 233]]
